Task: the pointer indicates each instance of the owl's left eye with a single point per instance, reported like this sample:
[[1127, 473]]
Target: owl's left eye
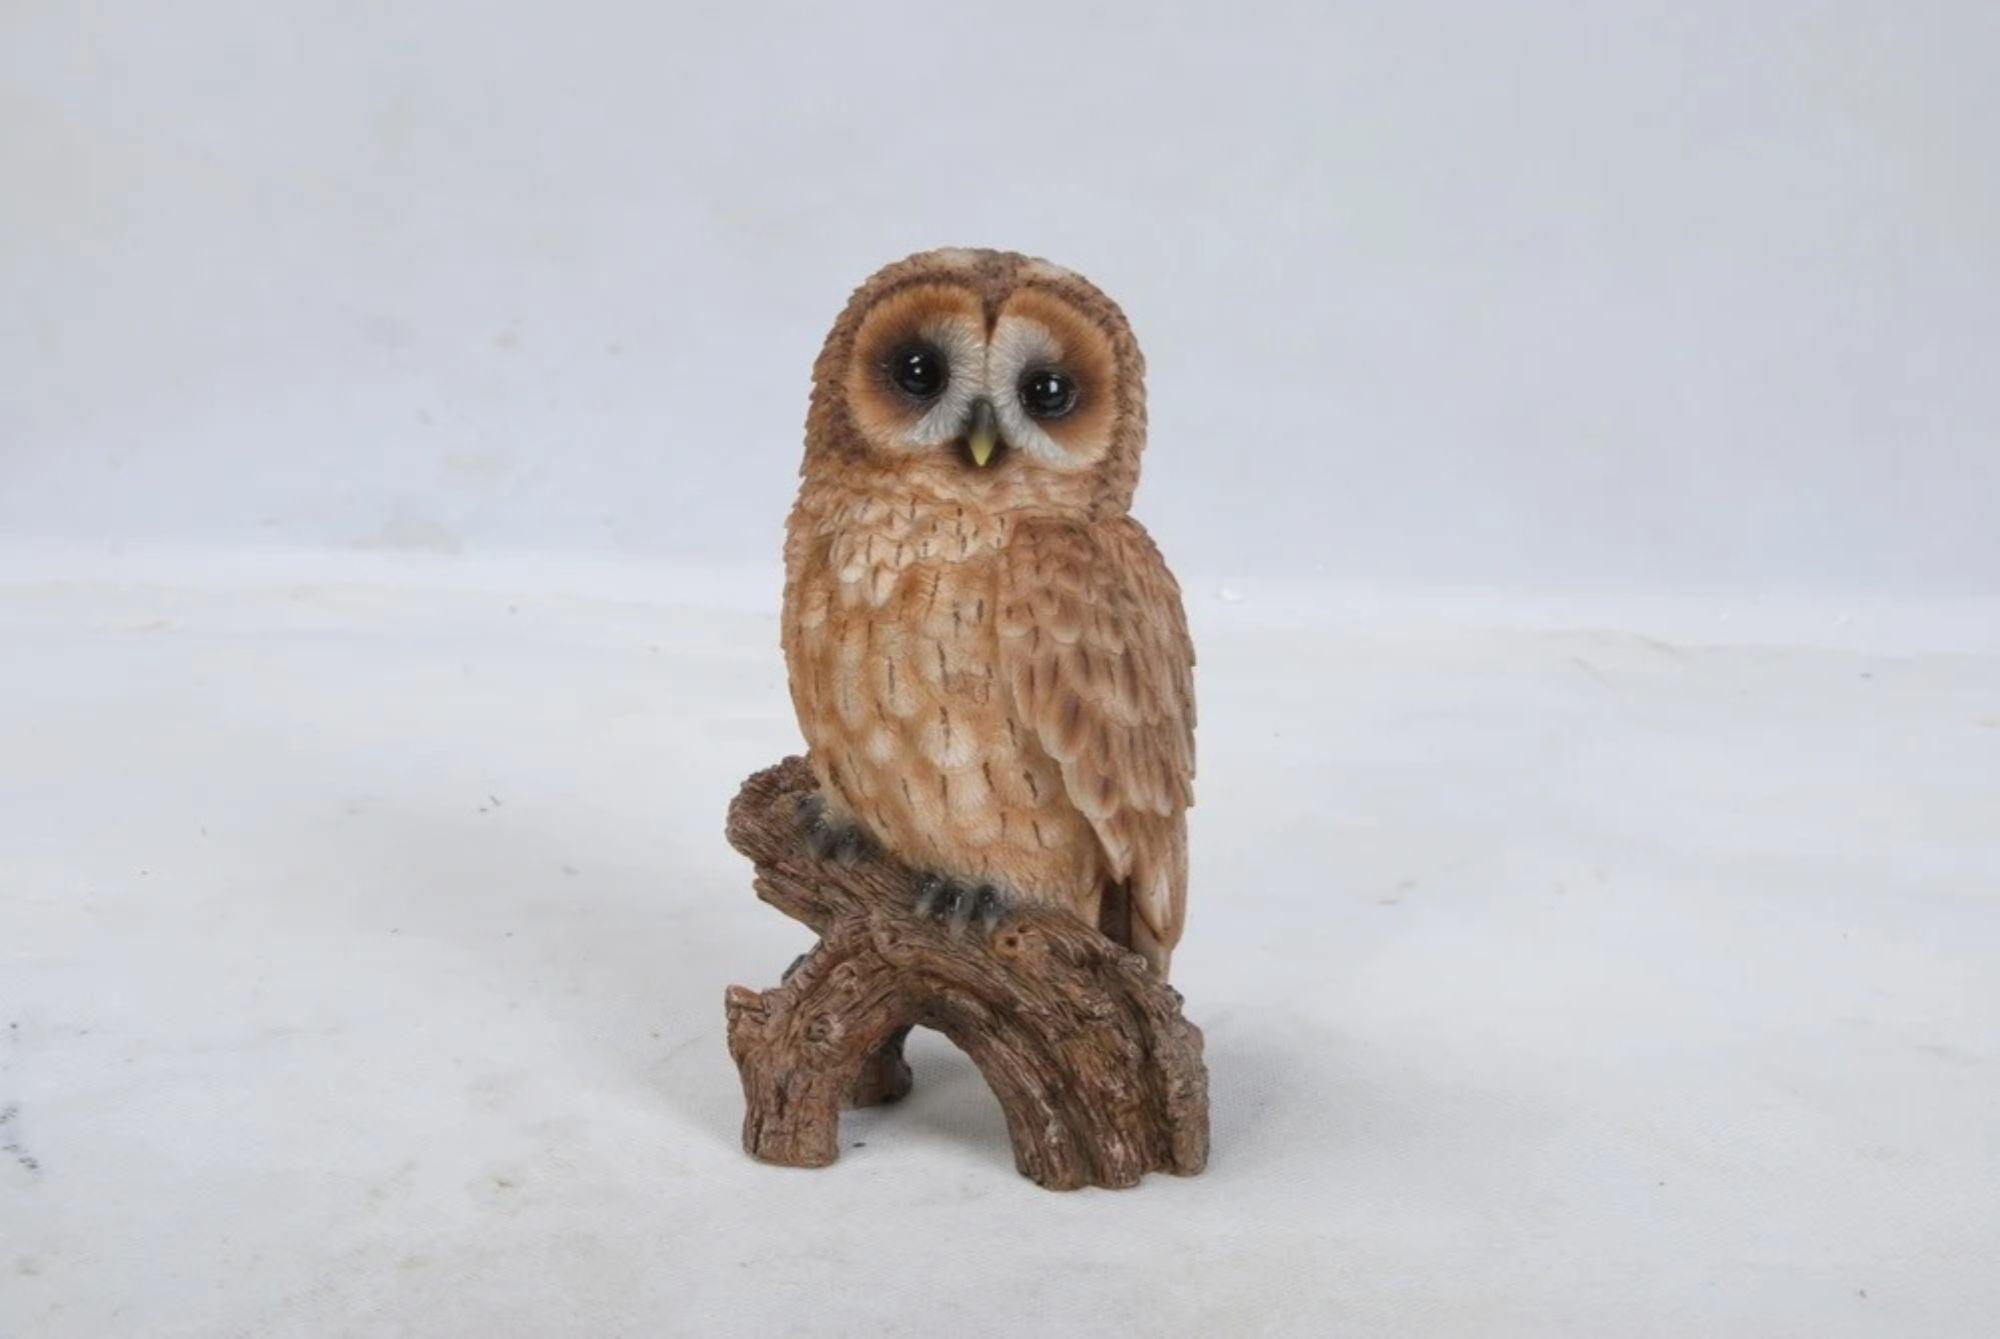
[[1047, 393], [918, 370]]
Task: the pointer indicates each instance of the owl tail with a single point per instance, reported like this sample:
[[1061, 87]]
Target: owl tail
[[1117, 921]]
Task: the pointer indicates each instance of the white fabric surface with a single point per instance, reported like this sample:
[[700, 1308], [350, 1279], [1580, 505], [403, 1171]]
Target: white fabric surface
[[1565, 970]]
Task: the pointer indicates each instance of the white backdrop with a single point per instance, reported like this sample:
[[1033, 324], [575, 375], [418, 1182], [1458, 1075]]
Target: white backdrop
[[1575, 427], [1651, 295]]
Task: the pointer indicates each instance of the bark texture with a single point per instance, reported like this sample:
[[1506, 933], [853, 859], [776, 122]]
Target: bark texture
[[1099, 1075]]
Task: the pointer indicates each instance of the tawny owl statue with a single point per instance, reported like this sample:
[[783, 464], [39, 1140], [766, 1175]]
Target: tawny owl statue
[[988, 655]]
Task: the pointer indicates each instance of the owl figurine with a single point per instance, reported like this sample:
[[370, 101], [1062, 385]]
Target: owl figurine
[[988, 655]]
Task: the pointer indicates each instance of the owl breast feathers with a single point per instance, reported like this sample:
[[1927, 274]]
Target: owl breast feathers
[[988, 655]]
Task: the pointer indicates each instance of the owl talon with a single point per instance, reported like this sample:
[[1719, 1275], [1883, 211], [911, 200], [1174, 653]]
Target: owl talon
[[960, 905], [959, 913], [990, 907], [933, 892], [827, 837]]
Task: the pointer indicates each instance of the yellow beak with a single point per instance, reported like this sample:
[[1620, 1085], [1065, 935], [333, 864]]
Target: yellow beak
[[984, 435]]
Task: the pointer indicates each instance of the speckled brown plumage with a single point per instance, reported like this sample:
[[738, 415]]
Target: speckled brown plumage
[[991, 665]]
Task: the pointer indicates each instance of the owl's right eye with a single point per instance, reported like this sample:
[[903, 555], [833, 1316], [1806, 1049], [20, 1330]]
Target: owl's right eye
[[918, 370]]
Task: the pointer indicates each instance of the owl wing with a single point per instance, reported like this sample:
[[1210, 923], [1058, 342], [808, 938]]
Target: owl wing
[[1094, 647]]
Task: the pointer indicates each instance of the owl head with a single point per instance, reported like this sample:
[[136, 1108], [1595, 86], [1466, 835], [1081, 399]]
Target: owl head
[[982, 377]]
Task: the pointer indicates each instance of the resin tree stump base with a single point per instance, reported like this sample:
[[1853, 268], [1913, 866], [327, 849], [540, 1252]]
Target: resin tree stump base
[[1100, 1077]]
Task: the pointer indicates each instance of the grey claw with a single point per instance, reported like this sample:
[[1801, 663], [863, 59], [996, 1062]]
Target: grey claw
[[849, 846], [990, 906], [962, 900], [812, 818], [793, 968], [931, 894]]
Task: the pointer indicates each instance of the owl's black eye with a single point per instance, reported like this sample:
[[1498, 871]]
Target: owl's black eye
[[1047, 393], [918, 370]]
